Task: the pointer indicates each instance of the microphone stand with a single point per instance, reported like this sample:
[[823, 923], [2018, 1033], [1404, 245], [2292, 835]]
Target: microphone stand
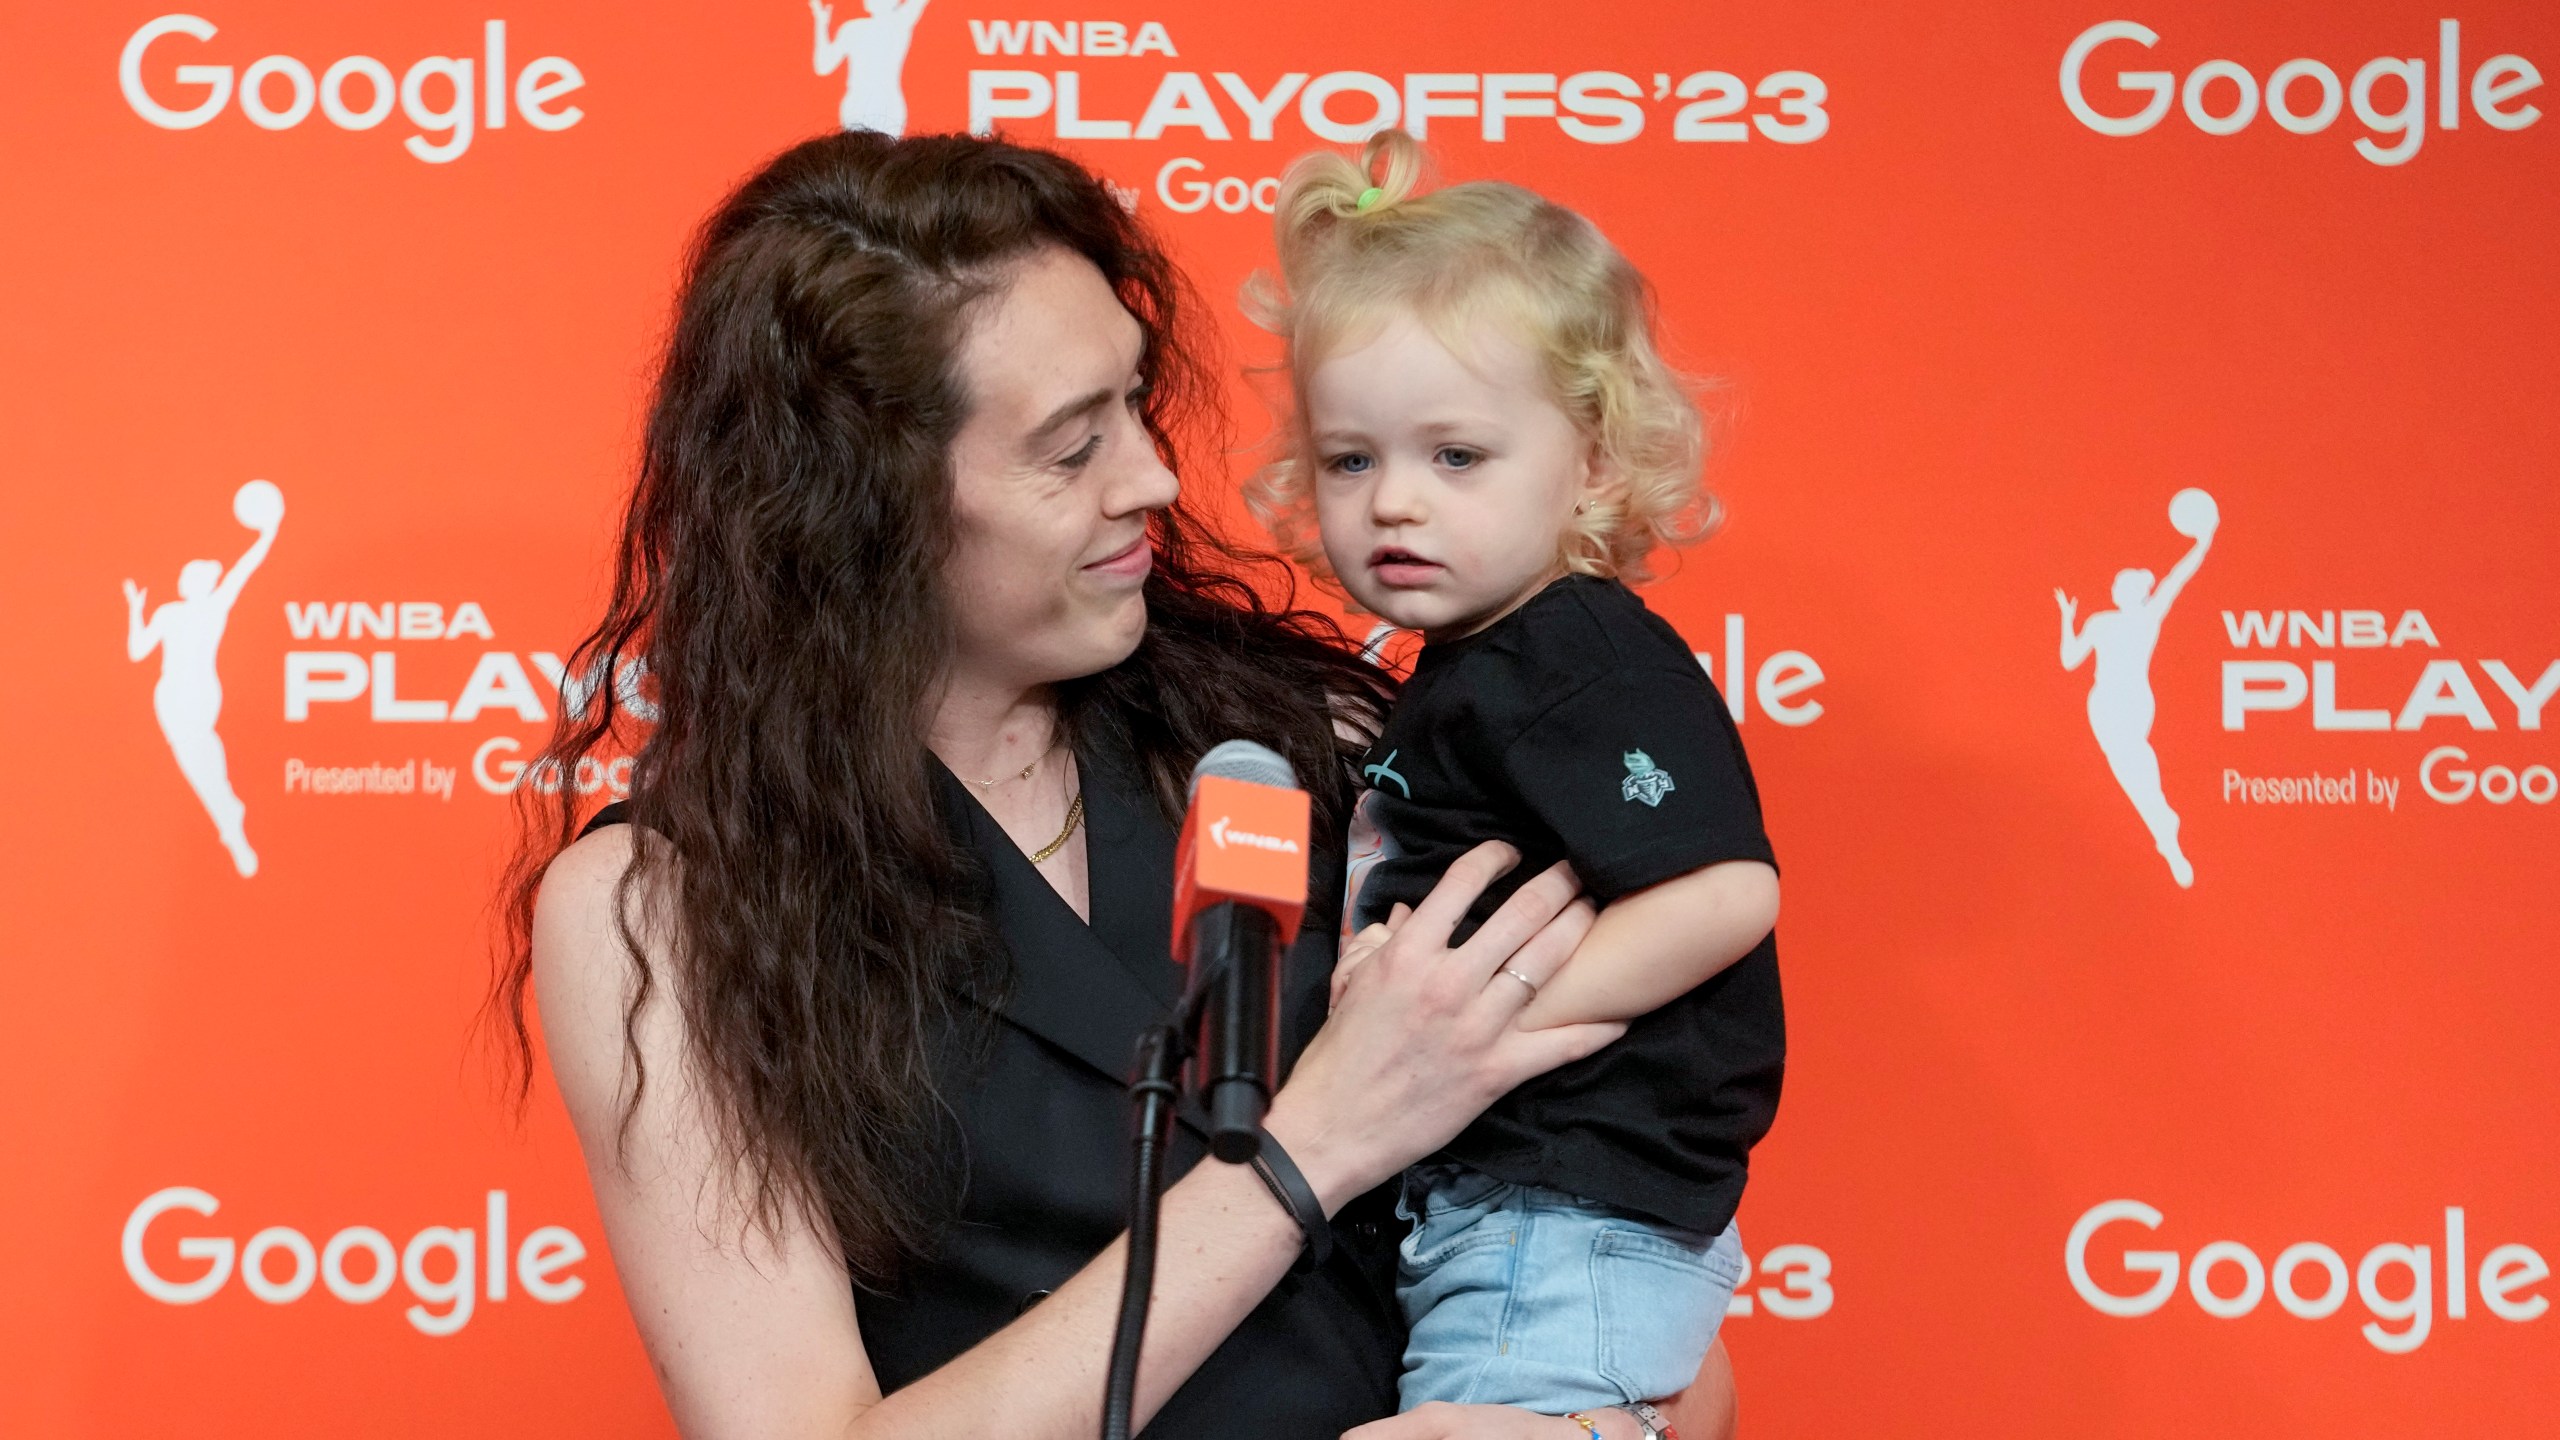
[[1154, 1090], [1236, 1105]]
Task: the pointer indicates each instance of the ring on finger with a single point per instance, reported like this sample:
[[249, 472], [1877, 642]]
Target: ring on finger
[[1514, 972]]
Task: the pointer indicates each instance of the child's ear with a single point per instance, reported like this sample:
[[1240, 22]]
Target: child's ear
[[1601, 476]]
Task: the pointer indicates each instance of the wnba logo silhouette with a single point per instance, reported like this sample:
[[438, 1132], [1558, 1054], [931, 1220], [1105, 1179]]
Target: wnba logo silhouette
[[187, 632], [873, 52], [2120, 702]]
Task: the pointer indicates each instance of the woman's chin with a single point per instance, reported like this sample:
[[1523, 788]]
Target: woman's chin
[[1113, 638]]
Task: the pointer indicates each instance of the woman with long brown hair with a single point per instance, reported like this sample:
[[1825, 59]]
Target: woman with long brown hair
[[842, 999]]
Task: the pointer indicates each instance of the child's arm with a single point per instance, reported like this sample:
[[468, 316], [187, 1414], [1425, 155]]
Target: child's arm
[[1659, 943]]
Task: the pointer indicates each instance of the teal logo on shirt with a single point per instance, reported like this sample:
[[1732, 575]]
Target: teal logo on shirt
[[1383, 771], [1644, 782]]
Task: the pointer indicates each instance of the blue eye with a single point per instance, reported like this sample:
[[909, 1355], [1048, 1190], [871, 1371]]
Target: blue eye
[[1456, 457], [1350, 463]]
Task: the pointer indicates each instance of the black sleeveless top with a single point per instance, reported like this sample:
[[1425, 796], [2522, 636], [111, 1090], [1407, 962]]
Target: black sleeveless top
[[1045, 1123]]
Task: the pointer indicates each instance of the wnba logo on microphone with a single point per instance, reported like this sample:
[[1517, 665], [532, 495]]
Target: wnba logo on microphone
[[1223, 836]]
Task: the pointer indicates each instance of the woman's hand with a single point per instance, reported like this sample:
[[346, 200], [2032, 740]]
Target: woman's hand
[[1437, 1421], [1424, 1037]]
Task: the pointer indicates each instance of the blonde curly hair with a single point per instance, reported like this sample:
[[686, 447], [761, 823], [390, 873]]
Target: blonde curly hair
[[1360, 241]]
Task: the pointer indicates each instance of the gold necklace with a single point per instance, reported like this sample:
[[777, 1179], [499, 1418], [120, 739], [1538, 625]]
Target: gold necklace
[[1075, 817], [1023, 774]]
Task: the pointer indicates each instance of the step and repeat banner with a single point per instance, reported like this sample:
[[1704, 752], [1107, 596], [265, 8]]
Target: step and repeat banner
[[2137, 424]]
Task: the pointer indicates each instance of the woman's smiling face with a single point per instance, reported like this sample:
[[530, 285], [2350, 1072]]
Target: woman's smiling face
[[1443, 482], [1054, 476]]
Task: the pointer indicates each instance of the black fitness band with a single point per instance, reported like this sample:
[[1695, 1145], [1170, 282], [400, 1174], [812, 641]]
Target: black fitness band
[[1288, 1185]]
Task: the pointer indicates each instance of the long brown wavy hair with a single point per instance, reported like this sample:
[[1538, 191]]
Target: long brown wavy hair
[[779, 627]]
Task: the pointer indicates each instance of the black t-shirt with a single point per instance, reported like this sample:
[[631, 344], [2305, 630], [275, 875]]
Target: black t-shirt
[[1580, 727]]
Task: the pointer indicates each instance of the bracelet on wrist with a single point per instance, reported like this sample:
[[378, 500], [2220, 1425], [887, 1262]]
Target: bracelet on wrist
[[1288, 1185], [1589, 1426], [1655, 1424]]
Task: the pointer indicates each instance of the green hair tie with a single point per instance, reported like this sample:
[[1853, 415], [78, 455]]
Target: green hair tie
[[1368, 198]]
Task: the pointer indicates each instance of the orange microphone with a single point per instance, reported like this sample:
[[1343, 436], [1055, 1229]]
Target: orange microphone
[[1240, 884]]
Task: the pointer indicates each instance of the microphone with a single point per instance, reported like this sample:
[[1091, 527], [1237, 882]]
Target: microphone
[[1240, 884]]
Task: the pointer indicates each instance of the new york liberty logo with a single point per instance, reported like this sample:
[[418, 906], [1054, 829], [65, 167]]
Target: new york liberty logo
[[1645, 781]]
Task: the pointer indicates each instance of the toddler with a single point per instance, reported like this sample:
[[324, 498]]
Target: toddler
[[1485, 448]]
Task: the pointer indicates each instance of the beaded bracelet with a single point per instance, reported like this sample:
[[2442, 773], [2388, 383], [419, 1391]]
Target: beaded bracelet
[[1589, 1427]]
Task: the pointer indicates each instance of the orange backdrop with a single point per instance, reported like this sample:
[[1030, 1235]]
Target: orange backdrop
[[1975, 326]]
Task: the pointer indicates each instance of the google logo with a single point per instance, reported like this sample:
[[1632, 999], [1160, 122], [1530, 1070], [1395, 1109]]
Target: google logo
[[447, 97], [441, 1265], [2395, 1282], [2304, 96]]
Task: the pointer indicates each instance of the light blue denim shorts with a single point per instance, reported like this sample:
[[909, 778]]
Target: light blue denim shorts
[[1518, 1295]]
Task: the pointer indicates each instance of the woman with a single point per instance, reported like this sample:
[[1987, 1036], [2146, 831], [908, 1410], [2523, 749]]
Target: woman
[[848, 1002]]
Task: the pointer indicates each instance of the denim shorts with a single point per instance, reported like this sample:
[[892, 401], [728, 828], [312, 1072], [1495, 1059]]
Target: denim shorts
[[1518, 1295]]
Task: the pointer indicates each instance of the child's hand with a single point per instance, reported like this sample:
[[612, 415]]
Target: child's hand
[[1363, 945]]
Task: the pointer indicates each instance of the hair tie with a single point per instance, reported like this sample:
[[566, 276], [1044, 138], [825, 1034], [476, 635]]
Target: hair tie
[[1368, 198]]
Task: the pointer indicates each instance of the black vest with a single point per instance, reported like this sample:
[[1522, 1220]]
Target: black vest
[[1045, 1122]]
